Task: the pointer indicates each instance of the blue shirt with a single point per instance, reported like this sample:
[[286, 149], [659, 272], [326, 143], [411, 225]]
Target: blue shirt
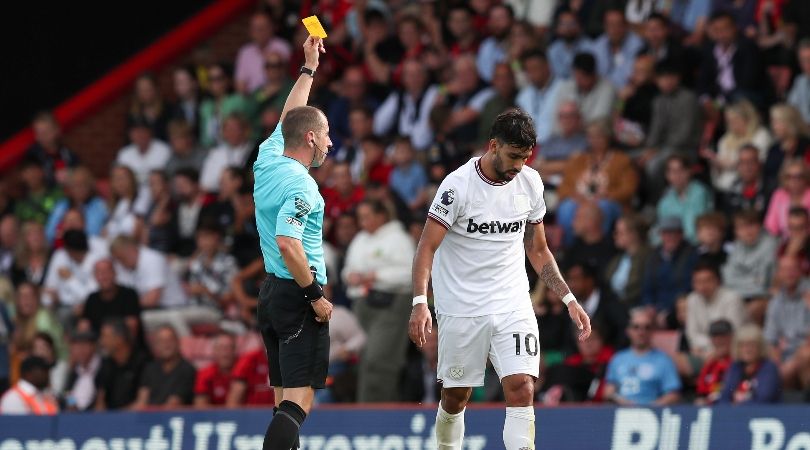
[[287, 204], [561, 55], [408, 182], [643, 378], [541, 104], [618, 66]]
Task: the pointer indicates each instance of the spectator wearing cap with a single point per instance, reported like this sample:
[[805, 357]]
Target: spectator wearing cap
[[684, 197], [39, 198], [80, 190], [145, 153], [750, 263], [111, 300], [167, 381], [594, 95], [794, 191], [709, 301], [30, 396], [212, 382], [799, 95], [49, 151], [669, 268], [600, 304], [80, 388], [539, 97], [709, 382], [750, 190], [185, 152], [233, 151], [568, 42], [752, 378], [616, 49], [250, 59], [493, 48], [69, 279], [121, 372]]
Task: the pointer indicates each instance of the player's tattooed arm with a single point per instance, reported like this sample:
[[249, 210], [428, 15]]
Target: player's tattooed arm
[[542, 260], [550, 274]]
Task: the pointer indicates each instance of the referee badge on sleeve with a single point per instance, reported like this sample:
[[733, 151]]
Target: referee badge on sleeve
[[294, 222]]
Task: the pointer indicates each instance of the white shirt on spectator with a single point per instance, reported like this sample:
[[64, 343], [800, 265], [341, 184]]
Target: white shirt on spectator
[[219, 159], [388, 252], [84, 388], [414, 119], [141, 163], [153, 272], [74, 290], [12, 403], [250, 62], [122, 221]]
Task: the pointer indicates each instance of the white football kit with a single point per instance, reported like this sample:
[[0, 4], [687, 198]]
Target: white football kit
[[480, 284]]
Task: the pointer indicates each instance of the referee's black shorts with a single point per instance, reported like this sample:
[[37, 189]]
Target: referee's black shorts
[[297, 345]]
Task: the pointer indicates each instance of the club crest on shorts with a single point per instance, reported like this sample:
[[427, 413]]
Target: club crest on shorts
[[456, 372]]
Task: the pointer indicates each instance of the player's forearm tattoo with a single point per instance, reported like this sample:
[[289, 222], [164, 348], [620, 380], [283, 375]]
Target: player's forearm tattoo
[[550, 275]]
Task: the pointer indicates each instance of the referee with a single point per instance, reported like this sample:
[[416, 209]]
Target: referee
[[293, 314]]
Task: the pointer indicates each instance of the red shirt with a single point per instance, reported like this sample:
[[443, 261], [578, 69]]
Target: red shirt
[[252, 368], [598, 367], [710, 380], [213, 383], [336, 204]]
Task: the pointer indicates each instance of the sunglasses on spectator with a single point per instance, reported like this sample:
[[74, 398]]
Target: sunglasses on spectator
[[645, 327]]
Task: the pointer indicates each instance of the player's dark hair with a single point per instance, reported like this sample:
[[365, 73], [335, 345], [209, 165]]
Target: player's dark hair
[[585, 63], [298, 122], [515, 128]]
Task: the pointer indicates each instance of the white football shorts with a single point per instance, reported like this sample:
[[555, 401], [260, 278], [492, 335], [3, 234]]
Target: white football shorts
[[510, 340]]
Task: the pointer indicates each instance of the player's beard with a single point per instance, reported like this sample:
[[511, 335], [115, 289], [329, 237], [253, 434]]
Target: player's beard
[[500, 172]]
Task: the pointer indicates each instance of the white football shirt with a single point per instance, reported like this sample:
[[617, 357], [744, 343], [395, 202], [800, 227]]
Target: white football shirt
[[479, 267]]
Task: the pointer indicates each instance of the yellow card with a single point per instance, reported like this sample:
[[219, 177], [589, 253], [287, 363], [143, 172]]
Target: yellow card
[[314, 27]]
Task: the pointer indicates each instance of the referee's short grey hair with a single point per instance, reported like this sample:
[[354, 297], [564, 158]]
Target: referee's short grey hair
[[298, 122]]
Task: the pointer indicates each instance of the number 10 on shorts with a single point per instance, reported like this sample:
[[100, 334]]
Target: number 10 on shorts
[[529, 344]]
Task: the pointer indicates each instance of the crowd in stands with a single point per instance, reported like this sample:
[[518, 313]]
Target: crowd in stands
[[674, 146]]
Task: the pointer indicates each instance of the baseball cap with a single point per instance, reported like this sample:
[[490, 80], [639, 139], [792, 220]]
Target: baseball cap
[[670, 223], [720, 327]]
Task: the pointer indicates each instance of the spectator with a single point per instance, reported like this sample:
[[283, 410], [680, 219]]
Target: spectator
[[6, 334], [377, 273], [44, 347], [493, 48], [361, 126], [31, 256], [730, 65], [407, 111], [221, 104], [185, 152], [39, 198], [799, 96], [186, 107], [709, 301], [600, 304], [148, 272], [743, 128], [250, 383], [594, 95], [212, 383], [210, 270], [797, 241], [568, 42], [685, 197], [750, 191], [463, 37], [787, 321], [794, 191], [675, 122], [250, 59], [145, 153], [159, 220], [751, 378], [49, 151], [352, 94], [692, 17], [126, 203], [343, 195], [190, 203], [625, 271], [539, 97], [384, 60], [81, 194], [148, 106], [30, 395], [121, 372], [616, 49], [642, 375], [592, 243], [85, 362], [223, 211], [69, 279], [791, 141], [375, 167], [636, 99], [668, 270], [408, 179], [504, 85], [462, 102], [9, 237], [751, 260], [562, 145], [660, 44], [581, 376], [110, 301], [711, 233], [347, 340], [232, 152], [167, 381], [709, 383], [277, 85], [601, 174]]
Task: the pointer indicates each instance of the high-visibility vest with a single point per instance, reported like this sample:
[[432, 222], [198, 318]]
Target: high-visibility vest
[[47, 407]]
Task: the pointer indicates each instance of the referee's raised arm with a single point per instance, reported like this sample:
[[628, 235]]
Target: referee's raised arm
[[300, 91]]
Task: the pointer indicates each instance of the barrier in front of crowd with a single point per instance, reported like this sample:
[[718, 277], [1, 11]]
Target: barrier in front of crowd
[[591, 428]]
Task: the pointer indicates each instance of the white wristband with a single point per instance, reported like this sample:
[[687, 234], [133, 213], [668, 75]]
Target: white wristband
[[419, 299], [569, 297]]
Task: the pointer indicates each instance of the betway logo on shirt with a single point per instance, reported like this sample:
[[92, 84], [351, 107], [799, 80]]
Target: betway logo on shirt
[[494, 226]]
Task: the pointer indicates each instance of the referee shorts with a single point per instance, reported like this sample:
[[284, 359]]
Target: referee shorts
[[297, 345]]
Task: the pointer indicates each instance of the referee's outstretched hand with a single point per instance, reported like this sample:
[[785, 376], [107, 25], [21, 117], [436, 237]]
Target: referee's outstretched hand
[[313, 47], [323, 309]]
